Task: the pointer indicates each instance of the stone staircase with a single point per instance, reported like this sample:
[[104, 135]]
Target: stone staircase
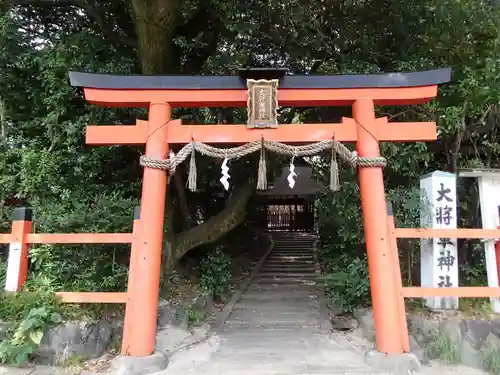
[[283, 292], [276, 326]]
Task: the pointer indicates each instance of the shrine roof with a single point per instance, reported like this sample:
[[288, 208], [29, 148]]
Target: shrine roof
[[201, 82]]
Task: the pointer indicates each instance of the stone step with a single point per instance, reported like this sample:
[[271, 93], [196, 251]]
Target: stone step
[[288, 251], [265, 333], [292, 254], [282, 289], [294, 245], [293, 249], [293, 269], [290, 266], [273, 345], [297, 247], [290, 259], [264, 323], [293, 240], [263, 273], [285, 305], [289, 262], [290, 281], [274, 314], [265, 307], [255, 366], [278, 296]]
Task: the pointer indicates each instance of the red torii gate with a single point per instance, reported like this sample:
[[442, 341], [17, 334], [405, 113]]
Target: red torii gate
[[161, 93]]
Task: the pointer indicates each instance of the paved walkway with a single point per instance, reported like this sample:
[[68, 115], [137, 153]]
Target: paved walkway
[[276, 326]]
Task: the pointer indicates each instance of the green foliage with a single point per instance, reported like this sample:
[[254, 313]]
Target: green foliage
[[215, 272], [444, 348], [28, 314], [3, 270], [84, 267], [491, 359], [348, 283], [195, 316]]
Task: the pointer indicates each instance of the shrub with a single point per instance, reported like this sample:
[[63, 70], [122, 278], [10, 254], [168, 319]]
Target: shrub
[[215, 272], [347, 282], [27, 314], [3, 271]]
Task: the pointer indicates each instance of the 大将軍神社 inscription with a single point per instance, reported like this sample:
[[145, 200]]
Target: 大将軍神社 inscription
[[445, 259], [444, 217], [444, 281], [444, 213], [262, 103], [439, 266]]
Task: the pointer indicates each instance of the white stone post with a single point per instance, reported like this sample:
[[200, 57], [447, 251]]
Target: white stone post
[[489, 200], [438, 256]]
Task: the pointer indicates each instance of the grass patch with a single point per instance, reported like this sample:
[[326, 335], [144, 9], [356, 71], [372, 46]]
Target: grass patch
[[491, 359], [476, 308], [444, 348]]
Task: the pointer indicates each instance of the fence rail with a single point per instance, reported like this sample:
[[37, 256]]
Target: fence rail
[[446, 233], [21, 237], [422, 233], [93, 297], [70, 238]]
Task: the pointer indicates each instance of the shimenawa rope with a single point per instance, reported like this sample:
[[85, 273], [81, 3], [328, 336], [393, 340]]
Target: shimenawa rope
[[336, 147]]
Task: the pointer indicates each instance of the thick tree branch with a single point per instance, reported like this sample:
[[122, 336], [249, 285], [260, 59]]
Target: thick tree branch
[[182, 200], [216, 226]]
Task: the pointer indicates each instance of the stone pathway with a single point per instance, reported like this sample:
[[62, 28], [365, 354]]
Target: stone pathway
[[276, 326], [38, 370]]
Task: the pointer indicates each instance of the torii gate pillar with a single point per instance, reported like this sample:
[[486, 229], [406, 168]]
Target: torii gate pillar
[[146, 252], [371, 184]]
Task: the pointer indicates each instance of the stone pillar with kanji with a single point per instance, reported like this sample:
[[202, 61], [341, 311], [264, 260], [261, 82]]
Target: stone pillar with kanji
[[438, 210]]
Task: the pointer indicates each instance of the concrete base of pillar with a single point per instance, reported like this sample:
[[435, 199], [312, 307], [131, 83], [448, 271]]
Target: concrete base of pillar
[[399, 364], [125, 365]]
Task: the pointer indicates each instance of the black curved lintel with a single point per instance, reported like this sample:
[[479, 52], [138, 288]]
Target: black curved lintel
[[170, 82]]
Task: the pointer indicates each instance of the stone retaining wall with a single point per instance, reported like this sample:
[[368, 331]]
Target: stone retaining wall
[[90, 340], [454, 339]]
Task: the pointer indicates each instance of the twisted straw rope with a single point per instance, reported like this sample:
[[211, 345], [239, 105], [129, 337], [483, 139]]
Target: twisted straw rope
[[345, 154]]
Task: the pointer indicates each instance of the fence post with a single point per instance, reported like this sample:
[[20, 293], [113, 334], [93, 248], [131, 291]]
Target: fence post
[[128, 325], [396, 264], [17, 263]]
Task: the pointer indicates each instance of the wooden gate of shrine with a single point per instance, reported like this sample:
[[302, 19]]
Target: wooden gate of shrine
[[289, 215], [291, 209], [261, 91]]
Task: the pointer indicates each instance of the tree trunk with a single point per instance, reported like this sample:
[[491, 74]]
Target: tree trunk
[[156, 22]]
